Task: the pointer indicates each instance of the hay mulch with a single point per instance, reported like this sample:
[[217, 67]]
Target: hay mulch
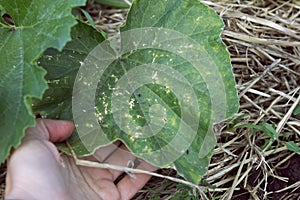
[[263, 38]]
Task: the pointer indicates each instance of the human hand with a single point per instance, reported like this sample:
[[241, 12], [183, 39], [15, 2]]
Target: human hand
[[35, 169]]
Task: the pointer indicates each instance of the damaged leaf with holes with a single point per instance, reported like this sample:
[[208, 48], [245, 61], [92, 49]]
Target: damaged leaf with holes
[[200, 23], [188, 17]]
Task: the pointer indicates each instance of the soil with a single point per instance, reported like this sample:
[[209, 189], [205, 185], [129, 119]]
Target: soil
[[290, 170], [2, 180]]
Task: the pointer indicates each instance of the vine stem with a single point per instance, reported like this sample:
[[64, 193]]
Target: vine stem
[[128, 170]]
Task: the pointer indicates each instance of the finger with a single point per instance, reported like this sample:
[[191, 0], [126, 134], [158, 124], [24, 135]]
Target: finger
[[129, 186], [103, 153], [36, 158], [52, 130], [91, 180], [120, 157], [114, 154], [59, 130]]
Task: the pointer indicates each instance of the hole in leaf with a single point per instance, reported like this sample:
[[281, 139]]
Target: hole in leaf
[[100, 120], [8, 19]]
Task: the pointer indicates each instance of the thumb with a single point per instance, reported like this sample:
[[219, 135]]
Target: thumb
[[35, 164], [52, 130]]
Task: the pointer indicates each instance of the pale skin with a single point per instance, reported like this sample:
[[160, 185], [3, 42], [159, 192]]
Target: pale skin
[[36, 170]]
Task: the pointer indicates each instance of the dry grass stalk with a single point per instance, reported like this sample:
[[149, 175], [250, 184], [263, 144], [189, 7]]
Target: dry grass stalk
[[258, 40]]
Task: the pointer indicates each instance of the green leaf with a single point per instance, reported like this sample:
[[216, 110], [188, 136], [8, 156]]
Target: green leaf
[[232, 123], [292, 146], [266, 143], [286, 135], [144, 97], [268, 129], [296, 110], [115, 3], [91, 22], [176, 105], [204, 26], [62, 67], [38, 25], [89, 18]]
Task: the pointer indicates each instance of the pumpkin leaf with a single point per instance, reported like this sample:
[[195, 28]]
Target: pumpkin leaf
[[26, 32], [163, 91]]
